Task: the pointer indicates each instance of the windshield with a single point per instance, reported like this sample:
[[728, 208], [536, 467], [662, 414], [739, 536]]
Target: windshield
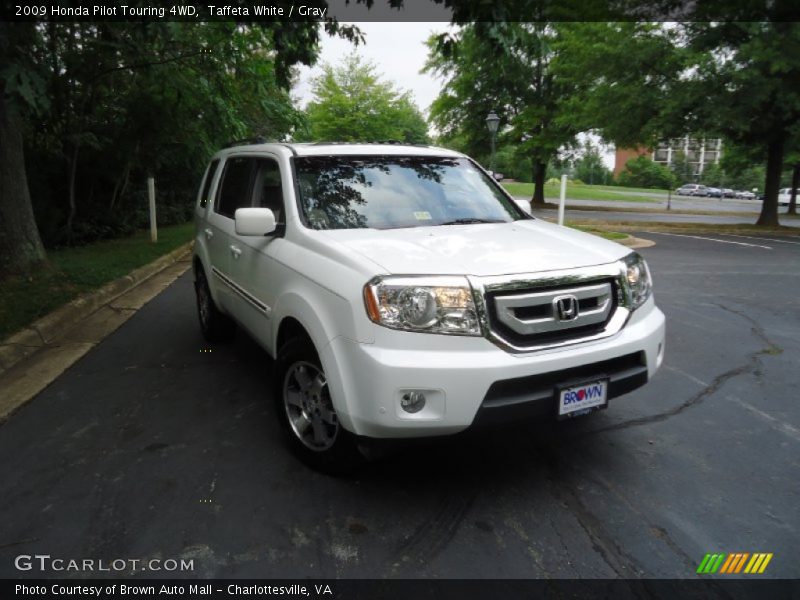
[[388, 192]]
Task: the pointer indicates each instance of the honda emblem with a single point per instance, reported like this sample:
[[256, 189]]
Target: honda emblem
[[566, 308]]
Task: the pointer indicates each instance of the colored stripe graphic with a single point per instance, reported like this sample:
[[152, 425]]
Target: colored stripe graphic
[[734, 563], [729, 563], [764, 564], [740, 564], [710, 563], [704, 563]]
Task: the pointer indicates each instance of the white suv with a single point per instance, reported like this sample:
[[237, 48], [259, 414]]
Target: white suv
[[785, 196], [403, 293]]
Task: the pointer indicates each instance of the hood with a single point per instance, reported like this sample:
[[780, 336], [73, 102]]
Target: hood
[[481, 249]]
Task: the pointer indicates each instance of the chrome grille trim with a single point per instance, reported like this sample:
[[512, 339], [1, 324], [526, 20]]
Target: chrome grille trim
[[506, 309], [566, 279]]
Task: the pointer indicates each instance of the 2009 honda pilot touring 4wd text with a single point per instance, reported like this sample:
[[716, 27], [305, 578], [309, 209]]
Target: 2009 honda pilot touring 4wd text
[[403, 293]]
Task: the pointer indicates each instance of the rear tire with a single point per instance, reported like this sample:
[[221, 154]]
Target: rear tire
[[216, 326], [305, 410]]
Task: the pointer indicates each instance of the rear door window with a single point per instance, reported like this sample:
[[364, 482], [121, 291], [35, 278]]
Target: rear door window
[[235, 189]]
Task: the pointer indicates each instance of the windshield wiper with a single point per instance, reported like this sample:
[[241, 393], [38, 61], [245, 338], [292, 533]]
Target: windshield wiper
[[470, 221]]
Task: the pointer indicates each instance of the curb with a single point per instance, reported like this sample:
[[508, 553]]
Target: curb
[[636, 243], [46, 329]]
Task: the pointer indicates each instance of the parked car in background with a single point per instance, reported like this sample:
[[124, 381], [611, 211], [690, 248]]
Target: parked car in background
[[728, 193], [785, 196], [691, 189], [713, 192], [745, 195]]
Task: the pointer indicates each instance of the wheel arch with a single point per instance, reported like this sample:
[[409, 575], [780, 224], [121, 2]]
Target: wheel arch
[[299, 319]]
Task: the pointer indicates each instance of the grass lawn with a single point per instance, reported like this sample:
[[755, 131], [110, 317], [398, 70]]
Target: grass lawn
[[72, 271], [603, 233], [581, 192], [691, 228], [616, 188]]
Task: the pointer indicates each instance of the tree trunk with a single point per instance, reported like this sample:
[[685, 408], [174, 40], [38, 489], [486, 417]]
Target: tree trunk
[[539, 171], [20, 245], [769, 210], [795, 184]]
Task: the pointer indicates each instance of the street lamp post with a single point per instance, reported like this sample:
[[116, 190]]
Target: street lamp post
[[492, 123]]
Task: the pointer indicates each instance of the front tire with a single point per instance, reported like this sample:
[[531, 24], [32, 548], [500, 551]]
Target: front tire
[[305, 410], [216, 326]]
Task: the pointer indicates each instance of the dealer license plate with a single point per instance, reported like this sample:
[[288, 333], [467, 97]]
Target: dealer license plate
[[582, 399]]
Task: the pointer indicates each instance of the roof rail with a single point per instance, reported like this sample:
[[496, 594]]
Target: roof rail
[[253, 140], [385, 142]]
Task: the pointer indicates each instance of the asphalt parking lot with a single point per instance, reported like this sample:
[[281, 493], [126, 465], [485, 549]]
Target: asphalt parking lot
[[154, 446]]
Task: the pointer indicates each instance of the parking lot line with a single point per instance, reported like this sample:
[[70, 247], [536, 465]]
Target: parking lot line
[[776, 423], [785, 428], [751, 237], [697, 237]]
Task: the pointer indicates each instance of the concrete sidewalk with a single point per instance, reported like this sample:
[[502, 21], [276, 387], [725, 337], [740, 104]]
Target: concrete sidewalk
[[31, 359]]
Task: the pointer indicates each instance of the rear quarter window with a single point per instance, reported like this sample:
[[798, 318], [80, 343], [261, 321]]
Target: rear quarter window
[[205, 190]]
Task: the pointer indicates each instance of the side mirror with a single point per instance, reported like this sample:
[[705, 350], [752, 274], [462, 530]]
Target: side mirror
[[254, 221], [524, 205]]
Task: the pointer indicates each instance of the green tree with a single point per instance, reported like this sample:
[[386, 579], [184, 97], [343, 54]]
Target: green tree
[[628, 71], [643, 172], [735, 79], [20, 244], [507, 67], [681, 168], [713, 175], [740, 70], [353, 104], [92, 108], [589, 166], [743, 167]]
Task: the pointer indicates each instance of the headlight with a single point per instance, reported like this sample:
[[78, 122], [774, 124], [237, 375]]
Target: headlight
[[424, 304], [638, 278]]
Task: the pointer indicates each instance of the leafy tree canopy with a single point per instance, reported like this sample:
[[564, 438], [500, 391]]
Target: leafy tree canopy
[[506, 67], [643, 172], [353, 104]]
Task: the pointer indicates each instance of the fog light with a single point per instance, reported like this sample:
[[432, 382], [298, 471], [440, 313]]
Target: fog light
[[413, 402]]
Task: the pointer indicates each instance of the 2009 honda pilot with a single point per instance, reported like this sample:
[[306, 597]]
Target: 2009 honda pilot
[[403, 293]]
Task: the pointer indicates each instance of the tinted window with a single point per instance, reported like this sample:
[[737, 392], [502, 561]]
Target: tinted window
[[235, 191], [212, 170], [386, 192]]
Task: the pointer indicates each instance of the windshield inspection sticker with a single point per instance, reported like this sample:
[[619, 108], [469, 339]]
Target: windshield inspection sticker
[[422, 215]]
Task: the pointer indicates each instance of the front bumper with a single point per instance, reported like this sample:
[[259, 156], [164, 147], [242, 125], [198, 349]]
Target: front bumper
[[469, 379]]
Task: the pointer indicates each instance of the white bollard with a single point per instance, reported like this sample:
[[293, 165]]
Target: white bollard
[[563, 200], [151, 193]]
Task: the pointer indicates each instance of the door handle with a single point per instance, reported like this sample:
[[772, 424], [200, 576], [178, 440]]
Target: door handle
[[209, 233], [236, 251]]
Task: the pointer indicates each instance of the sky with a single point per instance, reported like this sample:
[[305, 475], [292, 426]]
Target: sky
[[398, 51]]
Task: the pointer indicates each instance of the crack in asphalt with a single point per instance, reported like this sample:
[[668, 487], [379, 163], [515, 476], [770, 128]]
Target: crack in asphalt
[[753, 365], [697, 398], [621, 563]]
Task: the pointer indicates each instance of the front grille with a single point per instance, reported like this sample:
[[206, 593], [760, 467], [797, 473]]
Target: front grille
[[541, 316]]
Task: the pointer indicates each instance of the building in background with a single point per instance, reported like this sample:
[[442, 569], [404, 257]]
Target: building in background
[[699, 153]]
